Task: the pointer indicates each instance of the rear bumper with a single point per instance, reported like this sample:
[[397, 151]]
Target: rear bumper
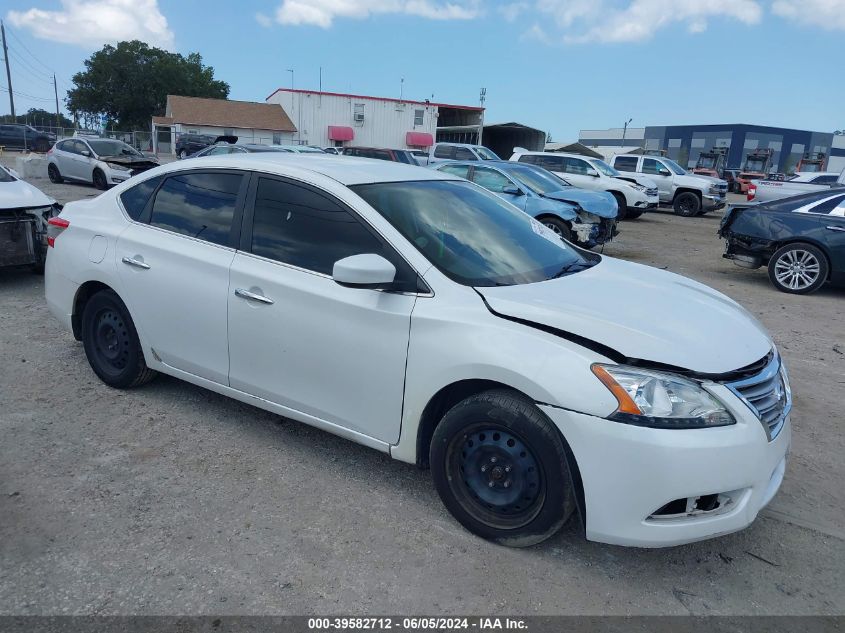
[[630, 472], [59, 292]]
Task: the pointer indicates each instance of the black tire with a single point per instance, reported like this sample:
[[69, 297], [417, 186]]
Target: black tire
[[622, 205], [111, 342], [500, 468], [99, 180], [798, 268], [182, 154], [633, 215], [54, 174], [558, 226], [686, 204]]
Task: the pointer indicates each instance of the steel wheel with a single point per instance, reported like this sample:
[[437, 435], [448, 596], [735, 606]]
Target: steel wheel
[[798, 268], [499, 476], [111, 339]]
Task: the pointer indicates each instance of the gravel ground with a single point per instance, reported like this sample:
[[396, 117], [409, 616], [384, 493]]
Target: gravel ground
[[173, 500]]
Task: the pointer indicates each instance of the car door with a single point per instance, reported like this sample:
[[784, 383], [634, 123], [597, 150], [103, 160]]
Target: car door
[[174, 269], [660, 174], [72, 162], [833, 234], [297, 338], [498, 183]]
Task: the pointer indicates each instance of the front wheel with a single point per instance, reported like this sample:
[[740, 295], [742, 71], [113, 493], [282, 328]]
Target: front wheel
[[54, 174], [798, 268], [557, 225], [687, 204], [111, 342], [182, 154], [500, 468], [99, 179], [621, 205]]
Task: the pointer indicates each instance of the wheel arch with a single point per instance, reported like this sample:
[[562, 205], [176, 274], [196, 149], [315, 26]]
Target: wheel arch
[[83, 295], [450, 395], [681, 190]]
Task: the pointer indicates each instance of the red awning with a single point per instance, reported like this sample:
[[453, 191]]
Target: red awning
[[419, 139], [341, 133]]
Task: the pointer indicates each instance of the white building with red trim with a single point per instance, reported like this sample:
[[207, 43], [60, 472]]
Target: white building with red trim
[[336, 119]]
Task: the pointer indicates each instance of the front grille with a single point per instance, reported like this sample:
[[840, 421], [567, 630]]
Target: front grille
[[767, 395]]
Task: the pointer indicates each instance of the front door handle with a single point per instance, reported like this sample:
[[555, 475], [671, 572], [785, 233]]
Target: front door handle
[[246, 294], [136, 263], [835, 228]]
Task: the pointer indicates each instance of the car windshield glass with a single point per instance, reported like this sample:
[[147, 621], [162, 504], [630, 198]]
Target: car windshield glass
[[604, 168], [537, 179], [5, 176], [675, 167], [473, 236], [113, 148], [486, 154]]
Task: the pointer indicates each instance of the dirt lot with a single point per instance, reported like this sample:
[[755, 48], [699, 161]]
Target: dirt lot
[[171, 499]]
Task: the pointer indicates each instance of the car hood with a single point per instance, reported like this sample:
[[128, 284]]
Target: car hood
[[642, 313], [639, 179], [695, 180], [129, 160], [22, 195], [600, 203]]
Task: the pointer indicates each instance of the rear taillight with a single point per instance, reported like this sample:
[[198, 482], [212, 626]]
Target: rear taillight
[[752, 191], [55, 228]]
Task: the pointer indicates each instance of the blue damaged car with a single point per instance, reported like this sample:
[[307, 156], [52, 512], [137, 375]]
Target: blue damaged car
[[586, 218]]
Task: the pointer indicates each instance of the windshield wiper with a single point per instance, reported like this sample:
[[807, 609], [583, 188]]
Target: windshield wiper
[[574, 267]]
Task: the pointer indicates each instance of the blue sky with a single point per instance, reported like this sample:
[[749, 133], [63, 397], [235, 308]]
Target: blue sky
[[560, 65]]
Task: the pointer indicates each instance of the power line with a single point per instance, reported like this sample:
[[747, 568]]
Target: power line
[[34, 73], [25, 95], [18, 40]]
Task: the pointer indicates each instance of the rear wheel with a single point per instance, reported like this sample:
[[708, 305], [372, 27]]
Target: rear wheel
[[54, 174], [111, 342], [558, 226], [622, 205], [798, 268], [99, 179], [42, 146], [687, 204], [499, 466]]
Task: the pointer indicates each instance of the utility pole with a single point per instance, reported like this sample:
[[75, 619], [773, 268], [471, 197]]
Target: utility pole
[[56, 92], [624, 130], [482, 98], [8, 72]]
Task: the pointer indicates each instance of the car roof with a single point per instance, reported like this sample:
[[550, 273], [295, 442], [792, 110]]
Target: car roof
[[347, 170]]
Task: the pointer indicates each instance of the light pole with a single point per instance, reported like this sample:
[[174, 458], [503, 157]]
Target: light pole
[[625, 130], [298, 108]]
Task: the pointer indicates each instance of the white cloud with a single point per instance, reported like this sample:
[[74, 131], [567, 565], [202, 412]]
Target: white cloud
[[607, 21], [513, 10], [263, 20], [92, 23], [828, 14], [322, 13]]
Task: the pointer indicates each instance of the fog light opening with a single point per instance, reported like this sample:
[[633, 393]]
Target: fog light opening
[[689, 507]]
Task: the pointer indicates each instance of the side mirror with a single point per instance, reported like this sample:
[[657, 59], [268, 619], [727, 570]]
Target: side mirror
[[511, 190], [364, 271], [664, 172], [593, 173], [86, 153]]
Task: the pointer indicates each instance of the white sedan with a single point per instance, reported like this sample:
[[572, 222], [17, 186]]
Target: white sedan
[[421, 315], [103, 162]]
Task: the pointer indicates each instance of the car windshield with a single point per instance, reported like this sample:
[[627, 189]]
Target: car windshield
[[604, 168], [486, 154], [113, 148], [538, 179], [6, 176], [675, 167], [473, 236]]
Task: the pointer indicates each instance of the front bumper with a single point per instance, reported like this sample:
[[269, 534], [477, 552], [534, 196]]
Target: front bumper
[[712, 203], [631, 472], [115, 177]]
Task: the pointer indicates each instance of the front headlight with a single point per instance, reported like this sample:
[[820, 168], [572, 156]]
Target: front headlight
[[118, 167], [637, 186], [657, 400], [714, 189]]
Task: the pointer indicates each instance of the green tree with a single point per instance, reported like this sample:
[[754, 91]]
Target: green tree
[[129, 83], [37, 116]]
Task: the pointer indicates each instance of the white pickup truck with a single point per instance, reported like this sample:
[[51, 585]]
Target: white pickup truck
[[766, 190]]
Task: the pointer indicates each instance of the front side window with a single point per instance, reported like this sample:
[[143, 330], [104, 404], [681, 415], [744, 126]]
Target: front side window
[[135, 198], [553, 163], [576, 166], [471, 235], [651, 166], [443, 151], [200, 205], [490, 179], [298, 226]]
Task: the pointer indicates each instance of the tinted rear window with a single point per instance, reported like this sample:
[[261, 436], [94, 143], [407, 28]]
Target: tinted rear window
[[135, 198], [199, 205]]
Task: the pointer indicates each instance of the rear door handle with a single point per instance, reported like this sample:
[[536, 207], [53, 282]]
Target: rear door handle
[[136, 263], [835, 228], [251, 296]]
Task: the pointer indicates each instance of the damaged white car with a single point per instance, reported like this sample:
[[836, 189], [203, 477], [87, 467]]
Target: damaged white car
[[24, 213]]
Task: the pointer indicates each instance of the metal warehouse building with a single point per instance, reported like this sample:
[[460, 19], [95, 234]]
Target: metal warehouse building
[[684, 143]]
